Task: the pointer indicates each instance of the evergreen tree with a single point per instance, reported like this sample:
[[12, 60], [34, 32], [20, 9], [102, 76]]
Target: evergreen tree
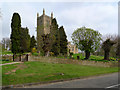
[[39, 41], [55, 37], [63, 41], [15, 33], [32, 42], [25, 40], [46, 44]]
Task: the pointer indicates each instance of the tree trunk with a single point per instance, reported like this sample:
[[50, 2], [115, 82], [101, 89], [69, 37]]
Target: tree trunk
[[14, 55], [87, 54], [106, 55], [47, 54]]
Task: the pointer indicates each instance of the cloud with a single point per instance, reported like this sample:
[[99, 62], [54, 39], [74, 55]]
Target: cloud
[[26, 12], [97, 16], [59, 0]]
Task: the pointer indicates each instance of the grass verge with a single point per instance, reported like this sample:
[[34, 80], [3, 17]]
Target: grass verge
[[32, 72]]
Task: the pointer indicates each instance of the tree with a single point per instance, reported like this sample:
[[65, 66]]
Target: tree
[[3, 44], [32, 42], [15, 33], [55, 37], [118, 48], [87, 40], [46, 44], [106, 47], [63, 41], [24, 40], [6, 43]]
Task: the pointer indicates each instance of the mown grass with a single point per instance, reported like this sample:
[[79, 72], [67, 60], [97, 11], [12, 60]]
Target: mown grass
[[31, 72], [6, 52], [93, 58], [3, 62]]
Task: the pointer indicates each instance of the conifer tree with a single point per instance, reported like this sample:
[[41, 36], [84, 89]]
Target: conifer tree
[[15, 33], [55, 37], [63, 41], [25, 40], [46, 44], [32, 42]]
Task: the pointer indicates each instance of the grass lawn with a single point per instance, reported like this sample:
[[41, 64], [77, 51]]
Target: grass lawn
[[3, 62], [9, 52], [30, 72], [92, 57], [6, 52]]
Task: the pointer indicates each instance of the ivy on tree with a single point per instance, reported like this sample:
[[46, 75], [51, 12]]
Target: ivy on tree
[[106, 47]]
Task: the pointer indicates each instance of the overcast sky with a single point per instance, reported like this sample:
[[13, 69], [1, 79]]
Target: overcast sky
[[100, 16]]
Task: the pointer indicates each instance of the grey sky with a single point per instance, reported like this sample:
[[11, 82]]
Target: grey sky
[[101, 16]]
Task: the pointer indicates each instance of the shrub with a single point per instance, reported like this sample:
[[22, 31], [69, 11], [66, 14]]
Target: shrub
[[51, 54], [34, 50]]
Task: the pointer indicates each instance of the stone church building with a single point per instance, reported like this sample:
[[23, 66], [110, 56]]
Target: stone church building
[[73, 49], [43, 27]]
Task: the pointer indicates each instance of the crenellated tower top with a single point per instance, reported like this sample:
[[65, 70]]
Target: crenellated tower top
[[43, 11], [52, 15]]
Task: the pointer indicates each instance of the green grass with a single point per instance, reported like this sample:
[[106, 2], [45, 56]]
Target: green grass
[[93, 58], [3, 62], [6, 52], [31, 72], [35, 54], [80, 55], [9, 52]]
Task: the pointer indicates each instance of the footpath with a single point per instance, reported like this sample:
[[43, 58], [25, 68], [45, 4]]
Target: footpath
[[10, 63]]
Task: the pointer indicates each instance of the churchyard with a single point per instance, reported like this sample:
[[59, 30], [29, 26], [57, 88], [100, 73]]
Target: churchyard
[[47, 69], [38, 72], [50, 57]]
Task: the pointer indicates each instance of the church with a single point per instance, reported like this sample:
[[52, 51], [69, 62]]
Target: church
[[43, 27]]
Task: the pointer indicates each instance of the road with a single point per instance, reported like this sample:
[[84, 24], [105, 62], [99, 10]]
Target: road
[[104, 81]]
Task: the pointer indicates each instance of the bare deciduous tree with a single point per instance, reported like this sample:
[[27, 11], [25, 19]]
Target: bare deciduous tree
[[6, 43]]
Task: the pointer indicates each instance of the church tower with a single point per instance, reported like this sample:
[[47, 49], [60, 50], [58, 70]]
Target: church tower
[[43, 26]]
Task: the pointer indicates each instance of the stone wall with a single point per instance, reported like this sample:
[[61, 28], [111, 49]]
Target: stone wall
[[16, 57], [7, 57], [71, 61], [22, 58]]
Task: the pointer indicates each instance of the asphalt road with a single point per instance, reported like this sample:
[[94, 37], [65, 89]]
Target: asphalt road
[[104, 81]]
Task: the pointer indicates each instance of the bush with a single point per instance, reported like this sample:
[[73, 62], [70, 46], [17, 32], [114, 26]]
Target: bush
[[51, 54], [35, 54], [34, 50], [71, 55]]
